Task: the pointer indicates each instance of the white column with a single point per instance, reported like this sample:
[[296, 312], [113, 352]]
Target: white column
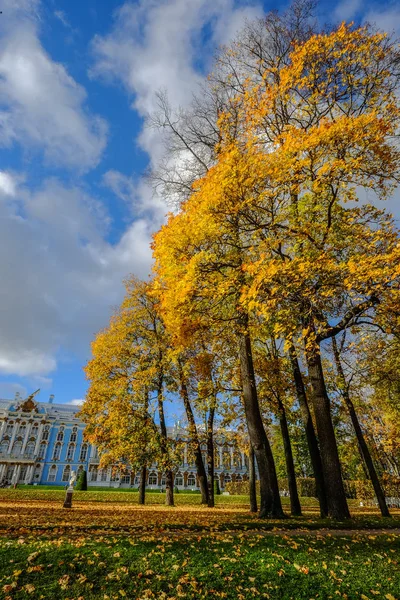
[[243, 462], [185, 454], [3, 428], [3, 469], [14, 433], [17, 470], [221, 461], [26, 439], [231, 453], [39, 437]]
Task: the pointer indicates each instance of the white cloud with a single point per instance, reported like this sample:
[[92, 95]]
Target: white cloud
[[76, 401], [8, 390], [7, 184], [42, 107], [61, 277], [162, 45]]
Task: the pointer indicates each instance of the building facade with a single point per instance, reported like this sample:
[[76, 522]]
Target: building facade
[[41, 443]]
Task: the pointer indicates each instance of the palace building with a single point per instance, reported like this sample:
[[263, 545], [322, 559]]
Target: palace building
[[41, 443]]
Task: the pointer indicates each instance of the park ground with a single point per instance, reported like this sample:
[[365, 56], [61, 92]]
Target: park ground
[[109, 547]]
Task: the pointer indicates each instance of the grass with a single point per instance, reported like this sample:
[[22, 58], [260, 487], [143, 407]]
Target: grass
[[231, 567], [108, 547]]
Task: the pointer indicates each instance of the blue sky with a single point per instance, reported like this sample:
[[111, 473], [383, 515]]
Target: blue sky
[[76, 215]]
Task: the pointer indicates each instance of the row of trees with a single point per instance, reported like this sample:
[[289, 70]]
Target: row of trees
[[273, 284]]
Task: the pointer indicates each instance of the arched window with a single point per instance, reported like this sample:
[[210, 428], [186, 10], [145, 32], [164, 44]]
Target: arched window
[[93, 473], [126, 477], [227, 478], [103, 475], [30, 449], [226, 458], [42, 450], [238, 477], [191, 480], [9, 428], [36, 474], [70, 452], [73, 434], [217, 458], [22, 429], [66, 473], [52, 473], [152, 478], [60, 434], [178, 478], [34, 430], [17, 448], [4, 446], [83, 453], [57, 451], [45, 434], [237, 459]]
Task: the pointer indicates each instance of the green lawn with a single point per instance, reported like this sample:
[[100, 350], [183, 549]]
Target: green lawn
[[109, 547], [211, 566]]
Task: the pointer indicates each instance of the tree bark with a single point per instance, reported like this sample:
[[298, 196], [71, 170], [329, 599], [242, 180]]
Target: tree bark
[[362, 445], [312, 441], [169, 476], [142, 485], [252, 481], [198, 459], [337, 503], [270, 501], [295, 507], [210, 456]]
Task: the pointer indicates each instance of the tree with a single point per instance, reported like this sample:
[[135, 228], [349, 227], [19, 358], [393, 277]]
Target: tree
[[81, 484]]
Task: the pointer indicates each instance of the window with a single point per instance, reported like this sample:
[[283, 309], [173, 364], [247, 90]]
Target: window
[[45, 434], [126, 478], [57, 451], [237, 459], [30, 449], [83, 453], [114, 475], [178, 478], [93, 474], [103, 476], [34, 431], [153, 478], [4, 446], [60, 434], [17, 448], [73, 434], [22, 429], [227, 479], [66, 473], [52, 473], [70, 452], [191, 480], [9, 428], [226, 458], [36, 473], [42, 450]]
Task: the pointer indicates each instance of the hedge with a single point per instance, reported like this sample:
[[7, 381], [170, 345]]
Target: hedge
[[357, 489]]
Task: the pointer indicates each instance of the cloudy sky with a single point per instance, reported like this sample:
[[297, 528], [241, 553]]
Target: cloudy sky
[[76, 216]]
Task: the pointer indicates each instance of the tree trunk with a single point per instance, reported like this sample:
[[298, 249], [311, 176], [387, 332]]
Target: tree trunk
[[362, 445], [337, 503], [198, 459], [210, 456], [142, 485], [312, 441], [295, 507], [270, 502], [252, 481], [169, 477], [169, 488]]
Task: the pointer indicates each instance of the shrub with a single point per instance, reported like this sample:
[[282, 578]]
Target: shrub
[[81, 484]]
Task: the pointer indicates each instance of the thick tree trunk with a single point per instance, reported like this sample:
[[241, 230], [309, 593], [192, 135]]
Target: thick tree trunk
[[252, 481], [312, 441], [198, 459], [169, 476], [210, 456], [270, 501], [295, 507], [362, 445], [142, 485], [337, 503]]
